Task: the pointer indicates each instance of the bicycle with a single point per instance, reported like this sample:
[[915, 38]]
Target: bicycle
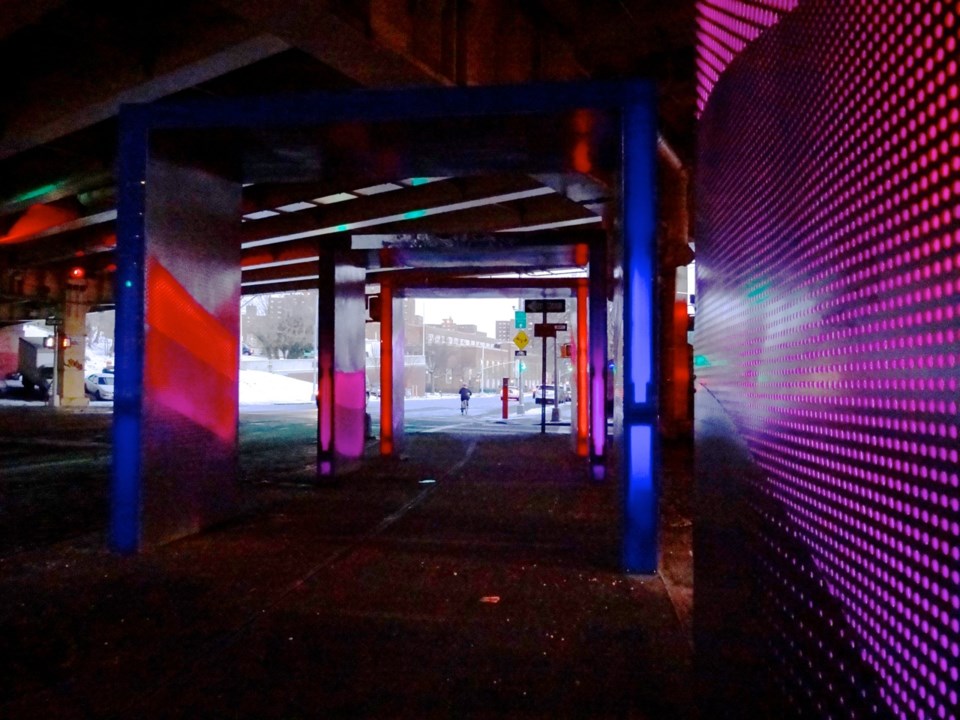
[[464, 406]]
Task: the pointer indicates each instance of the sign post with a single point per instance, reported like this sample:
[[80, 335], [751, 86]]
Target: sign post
[[543, 331], [521, 340]]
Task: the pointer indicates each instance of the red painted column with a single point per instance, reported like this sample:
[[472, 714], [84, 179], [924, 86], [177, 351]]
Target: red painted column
[[505, 396], [583, 393], [386, 370]]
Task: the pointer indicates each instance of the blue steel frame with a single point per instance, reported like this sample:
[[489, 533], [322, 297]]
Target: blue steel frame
[[634, 101], [640, 402], [125, 496]]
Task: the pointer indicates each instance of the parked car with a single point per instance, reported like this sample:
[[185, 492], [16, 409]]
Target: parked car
[[544, 395], [100, 385], [513, 392]]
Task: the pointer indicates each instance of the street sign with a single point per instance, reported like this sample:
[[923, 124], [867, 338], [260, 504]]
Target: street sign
[[519, 353], [521, 339], [548, 329], [544, 306], [54, 321], [520, 319]]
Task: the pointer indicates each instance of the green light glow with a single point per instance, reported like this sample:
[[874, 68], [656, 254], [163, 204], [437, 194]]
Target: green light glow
[[701, 361], [34, 194], [342, 228], [418, 181], [757, 288], [413, 214]]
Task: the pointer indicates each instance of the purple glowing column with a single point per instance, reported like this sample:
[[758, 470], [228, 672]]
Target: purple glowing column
[[326, 341], [598, 356]]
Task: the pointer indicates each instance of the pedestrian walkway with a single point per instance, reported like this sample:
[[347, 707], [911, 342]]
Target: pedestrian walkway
[[467, 578]]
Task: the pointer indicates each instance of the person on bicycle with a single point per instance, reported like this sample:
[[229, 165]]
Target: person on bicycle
[[464, 398]]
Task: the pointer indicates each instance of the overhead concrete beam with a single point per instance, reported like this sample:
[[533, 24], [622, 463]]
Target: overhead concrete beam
[[416, 200], [311, 27], [21, 13], [54, 116]]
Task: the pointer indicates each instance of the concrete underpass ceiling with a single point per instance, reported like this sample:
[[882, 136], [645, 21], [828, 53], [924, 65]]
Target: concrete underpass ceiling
[[76, 62]]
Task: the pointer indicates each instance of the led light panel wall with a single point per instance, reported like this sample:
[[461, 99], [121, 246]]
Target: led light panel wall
[[828, 327], [724, 29]]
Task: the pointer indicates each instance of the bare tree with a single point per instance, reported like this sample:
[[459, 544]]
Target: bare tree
[[282, 324]]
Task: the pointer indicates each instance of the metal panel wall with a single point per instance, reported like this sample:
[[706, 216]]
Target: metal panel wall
[[190, 348], [827, 330], [350, 360]]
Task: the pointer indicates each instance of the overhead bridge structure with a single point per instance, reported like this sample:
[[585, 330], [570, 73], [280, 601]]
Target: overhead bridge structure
[[415, 191]]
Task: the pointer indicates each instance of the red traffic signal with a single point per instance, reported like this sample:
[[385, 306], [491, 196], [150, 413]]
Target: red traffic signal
[[65, 342]]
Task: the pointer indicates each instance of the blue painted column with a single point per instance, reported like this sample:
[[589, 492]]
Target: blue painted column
[[124, 531], [640, 484]]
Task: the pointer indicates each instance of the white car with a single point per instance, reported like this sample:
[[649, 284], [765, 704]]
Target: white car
[[544, 395], [100, 385]]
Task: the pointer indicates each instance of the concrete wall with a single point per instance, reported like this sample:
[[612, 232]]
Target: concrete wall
[[826, 346]]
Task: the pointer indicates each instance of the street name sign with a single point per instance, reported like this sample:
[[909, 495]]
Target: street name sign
[[544, 306], [548, 329], [519, 353]]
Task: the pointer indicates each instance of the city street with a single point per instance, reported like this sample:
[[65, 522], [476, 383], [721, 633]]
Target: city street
[[471, 576]]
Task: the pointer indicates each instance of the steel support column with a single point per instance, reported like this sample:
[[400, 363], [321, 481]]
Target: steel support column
[[582, 380], [598, 356], [326, 341], [178, 321], [640, 403]]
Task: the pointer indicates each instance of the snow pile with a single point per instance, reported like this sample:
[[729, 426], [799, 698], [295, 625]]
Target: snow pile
[[95, 362], [258, 387]]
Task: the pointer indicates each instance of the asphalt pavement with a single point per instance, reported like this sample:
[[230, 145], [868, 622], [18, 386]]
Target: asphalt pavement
[[471, 576]]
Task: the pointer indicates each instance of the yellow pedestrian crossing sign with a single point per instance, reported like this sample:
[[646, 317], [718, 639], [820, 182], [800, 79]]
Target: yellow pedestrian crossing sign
[[521, 339]]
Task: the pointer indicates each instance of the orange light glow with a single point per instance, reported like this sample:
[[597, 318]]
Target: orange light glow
[[582, 121], [580, 366], [581, 254], [191, 358], [77, 273], [581, 156], [36, 219], [173, 312]]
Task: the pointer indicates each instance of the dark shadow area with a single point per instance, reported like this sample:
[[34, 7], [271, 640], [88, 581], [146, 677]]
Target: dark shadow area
[[491, 592]]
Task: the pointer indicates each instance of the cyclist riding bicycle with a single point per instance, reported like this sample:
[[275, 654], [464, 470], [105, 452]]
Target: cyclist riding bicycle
[[464, 398]]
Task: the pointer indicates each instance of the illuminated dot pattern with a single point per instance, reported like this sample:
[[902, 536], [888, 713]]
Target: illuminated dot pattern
[[828, 326], [724, 29]]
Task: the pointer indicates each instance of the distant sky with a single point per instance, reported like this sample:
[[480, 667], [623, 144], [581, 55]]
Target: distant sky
[[482, 312]]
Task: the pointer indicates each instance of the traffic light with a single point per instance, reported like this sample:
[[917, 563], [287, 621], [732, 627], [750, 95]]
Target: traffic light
[[522, 366], [566, 350]]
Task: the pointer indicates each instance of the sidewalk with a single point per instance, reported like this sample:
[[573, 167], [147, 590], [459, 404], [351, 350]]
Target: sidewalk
[[490, 592]]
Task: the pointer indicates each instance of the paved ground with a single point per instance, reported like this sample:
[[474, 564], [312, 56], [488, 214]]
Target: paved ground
[[491, 592]]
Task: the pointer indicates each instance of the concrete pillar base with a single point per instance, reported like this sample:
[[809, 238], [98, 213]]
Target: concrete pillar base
[[74, 402]]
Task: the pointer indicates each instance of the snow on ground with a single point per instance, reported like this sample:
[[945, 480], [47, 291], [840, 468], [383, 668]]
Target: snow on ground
[[258, 387]]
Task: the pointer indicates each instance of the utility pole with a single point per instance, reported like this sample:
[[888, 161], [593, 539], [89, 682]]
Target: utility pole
[[543, 379], [555, 413]]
